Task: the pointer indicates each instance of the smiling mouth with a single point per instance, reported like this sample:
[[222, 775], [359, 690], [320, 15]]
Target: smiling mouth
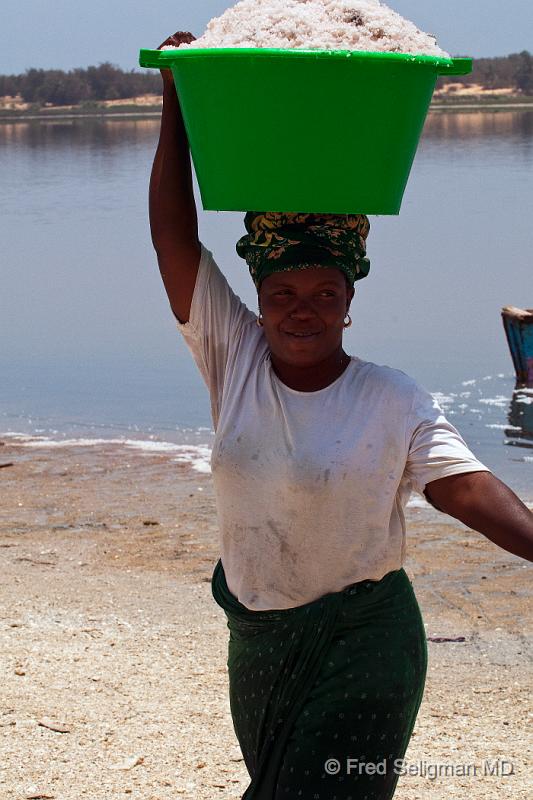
[[303, 335]]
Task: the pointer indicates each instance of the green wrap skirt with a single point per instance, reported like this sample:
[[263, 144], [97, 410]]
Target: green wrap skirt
[[324, 696]]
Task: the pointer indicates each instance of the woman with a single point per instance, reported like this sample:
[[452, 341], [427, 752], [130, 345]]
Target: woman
[[315, 456]]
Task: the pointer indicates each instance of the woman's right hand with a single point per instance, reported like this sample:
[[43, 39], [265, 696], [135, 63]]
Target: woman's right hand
[[180, 37]]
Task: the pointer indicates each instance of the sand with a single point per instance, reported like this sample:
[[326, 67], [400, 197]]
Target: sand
[[113, 679]]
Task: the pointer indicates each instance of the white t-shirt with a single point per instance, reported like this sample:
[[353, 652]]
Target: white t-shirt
[[310, 486]]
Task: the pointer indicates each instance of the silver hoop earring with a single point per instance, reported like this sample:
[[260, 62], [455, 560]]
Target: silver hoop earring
[[259, 321], [349, 323]]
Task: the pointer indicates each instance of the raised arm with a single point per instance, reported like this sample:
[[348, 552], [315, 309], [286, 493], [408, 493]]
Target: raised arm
[[173, 217]]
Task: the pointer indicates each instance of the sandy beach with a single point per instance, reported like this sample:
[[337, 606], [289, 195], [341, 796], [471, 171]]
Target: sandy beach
[[113, 678]]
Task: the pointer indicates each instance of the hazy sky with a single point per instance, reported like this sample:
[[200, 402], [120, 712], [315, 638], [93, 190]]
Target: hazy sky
[[71, 33]]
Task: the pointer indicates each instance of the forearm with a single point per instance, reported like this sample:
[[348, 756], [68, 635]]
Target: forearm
[[506, 521], [173, 216], [487, 505]]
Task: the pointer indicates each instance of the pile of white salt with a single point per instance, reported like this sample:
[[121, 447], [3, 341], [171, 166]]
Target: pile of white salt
[[367, 25]]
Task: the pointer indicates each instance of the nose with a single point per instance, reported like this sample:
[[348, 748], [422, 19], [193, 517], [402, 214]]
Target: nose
[[302, 309]]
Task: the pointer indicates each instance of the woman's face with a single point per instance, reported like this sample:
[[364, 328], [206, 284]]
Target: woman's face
[[303, 314]]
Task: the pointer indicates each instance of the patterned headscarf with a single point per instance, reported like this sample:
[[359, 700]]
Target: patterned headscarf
[[287, 242]]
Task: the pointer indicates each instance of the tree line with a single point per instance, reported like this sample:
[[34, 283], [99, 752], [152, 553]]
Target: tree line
[[109, 82], [105, 82], [514, 71]]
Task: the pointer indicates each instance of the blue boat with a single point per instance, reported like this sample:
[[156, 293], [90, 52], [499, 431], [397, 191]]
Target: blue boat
[[518, 324]]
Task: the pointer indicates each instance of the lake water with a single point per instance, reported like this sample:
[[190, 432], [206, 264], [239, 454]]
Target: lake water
[[88, 347]]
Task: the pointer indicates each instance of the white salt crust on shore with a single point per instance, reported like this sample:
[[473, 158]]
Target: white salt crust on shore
[[366, 25]]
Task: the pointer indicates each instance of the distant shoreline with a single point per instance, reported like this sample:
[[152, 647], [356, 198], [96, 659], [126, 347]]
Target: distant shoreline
[[489, 107], [30, 116], [134, 111]]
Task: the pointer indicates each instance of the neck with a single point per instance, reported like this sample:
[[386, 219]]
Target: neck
[[314, 377]]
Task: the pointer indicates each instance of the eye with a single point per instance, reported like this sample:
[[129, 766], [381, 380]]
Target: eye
[[328, 293]]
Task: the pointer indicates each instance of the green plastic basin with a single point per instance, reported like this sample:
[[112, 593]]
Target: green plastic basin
[[303, 130]]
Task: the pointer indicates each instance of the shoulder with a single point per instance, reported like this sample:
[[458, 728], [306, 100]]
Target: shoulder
[[208, 267], [401, 401], [216, 297], [388, 381], [404, 396]]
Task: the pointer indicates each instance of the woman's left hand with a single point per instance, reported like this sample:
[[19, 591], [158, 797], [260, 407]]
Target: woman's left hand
[[484, 503], [180, 37]]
